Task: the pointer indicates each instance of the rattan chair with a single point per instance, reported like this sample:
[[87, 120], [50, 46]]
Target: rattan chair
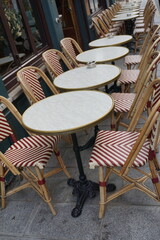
[[128, 102], [132, 61], [132, 77], [71, 49], [55, 61], [125, 152], [141, 29], [27, 158], [29, 78], [108, 26]]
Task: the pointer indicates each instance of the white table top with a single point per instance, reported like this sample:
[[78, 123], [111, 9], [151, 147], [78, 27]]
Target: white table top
[[67, 112], [123, 14], [87, 78], [111, 41], [124, 17], [101, 55], [130, 5], [128, 10]]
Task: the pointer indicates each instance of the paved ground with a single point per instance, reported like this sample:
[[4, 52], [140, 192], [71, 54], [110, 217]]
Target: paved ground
[[132, 216]]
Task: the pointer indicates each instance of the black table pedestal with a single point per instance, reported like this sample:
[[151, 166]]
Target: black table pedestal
[[83, 188]]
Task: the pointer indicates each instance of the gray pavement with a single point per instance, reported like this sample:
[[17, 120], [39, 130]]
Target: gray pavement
[[132, 216]]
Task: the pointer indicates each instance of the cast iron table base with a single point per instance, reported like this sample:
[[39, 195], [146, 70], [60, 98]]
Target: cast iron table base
[[83, 188]]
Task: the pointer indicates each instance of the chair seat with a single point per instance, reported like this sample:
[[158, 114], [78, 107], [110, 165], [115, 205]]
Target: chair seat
[[140, 30], [133, 59], [112, 148], [123, 101], [31, 151], [128, 76], [139, 25]]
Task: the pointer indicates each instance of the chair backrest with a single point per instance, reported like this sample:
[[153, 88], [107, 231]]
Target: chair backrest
[[55, 62], [143, 81], [7, 132], [147, 136], [149, 99], [104, 20], [71, 49], [149, 37], [151, 47], [29, 78], [97, 27]]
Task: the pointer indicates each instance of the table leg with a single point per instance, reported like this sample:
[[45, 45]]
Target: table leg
[[82, 188]]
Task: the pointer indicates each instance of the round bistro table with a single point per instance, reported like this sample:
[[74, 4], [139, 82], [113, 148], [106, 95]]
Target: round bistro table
[[87, 78], [102, 55], [68, 113], [112, 40]]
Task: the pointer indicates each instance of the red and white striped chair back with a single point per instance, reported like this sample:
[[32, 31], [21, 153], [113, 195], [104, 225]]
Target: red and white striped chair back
[[71, 49], [67, 44], [52, 60], [156, 129], [31, 77], [5, 129]]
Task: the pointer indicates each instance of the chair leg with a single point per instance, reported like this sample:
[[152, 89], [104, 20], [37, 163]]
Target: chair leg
[[113, 122], [59, 159], [2, 187], [46, 195], [155, 177], [102, 189]]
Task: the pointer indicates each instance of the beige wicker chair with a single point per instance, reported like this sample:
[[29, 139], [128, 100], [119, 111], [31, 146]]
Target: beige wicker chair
[[125, 152], [133, 61], [128, 102], [29, 78], [27, 158], [55, 62], [71, 49]]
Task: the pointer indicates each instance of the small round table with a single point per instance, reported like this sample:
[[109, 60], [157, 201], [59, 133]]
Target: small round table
[[87, 78], [102, 55], [124, 14], [110, 41], [67, 113], [124, 17]]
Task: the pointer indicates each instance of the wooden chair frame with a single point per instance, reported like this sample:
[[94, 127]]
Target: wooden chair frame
[[69, 56], [144, 81], [123, 172], [35, 178], [50, 67], [26, 87]]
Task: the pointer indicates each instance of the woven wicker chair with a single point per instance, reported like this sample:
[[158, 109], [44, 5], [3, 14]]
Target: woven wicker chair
[[121, 152], [141, 29], [109, 27], [55, 62], [27, 158], [71, 49], [131, 77], [131, 61], [128, 102], [29, 78]]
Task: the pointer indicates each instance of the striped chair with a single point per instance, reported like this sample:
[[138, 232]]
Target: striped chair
[[120, 152], [27, 157], [131, 61], [71, 49], [29, 78], [55, 62], [128, 102], [132, 77]]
